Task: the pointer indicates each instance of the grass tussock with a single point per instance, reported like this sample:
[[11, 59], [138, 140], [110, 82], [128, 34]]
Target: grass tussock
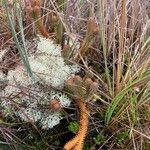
[[110, 41]]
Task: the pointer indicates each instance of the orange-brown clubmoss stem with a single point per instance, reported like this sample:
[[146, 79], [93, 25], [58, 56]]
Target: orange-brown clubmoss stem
[[42, 29], [34, 12], [92, 30], [78, 141]]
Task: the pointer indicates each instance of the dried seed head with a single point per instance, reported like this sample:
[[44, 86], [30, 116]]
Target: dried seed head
[[92, 26], [33, 9], [77, 79], [70, 82], [29, 9], [88, 82], [94, 86], [34, 12], [96, 30], [35, 3], [55, 105]]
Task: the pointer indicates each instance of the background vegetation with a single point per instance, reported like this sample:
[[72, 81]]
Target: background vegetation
[[115, 51]]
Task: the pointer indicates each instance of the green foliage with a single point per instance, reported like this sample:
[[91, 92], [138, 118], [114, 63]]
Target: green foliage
[[120, 97], [99, 139], [121, 137], [73, 127]]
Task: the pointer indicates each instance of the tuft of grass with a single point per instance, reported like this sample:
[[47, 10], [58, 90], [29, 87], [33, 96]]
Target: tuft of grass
[[11, 21]]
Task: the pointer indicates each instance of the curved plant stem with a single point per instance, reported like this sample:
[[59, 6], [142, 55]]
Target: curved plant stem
[[77, 142]]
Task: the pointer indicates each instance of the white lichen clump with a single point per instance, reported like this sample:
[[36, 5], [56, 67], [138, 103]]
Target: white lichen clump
[[49, 64], [30, 101]]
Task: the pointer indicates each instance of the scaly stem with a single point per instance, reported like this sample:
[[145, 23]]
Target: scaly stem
[[77, 142]]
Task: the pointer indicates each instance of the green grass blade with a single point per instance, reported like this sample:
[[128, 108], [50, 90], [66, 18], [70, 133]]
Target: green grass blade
[[22, 51], [119, 97]]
